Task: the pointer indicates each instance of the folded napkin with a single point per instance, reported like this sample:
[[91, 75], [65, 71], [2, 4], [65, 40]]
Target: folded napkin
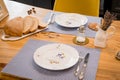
[[56, 28], [23, 65]]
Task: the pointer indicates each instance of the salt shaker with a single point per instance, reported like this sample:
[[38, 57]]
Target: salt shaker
[[81, 34]]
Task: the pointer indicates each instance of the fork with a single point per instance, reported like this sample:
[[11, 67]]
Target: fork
[[50, 18], [49, 21], [76, 72]]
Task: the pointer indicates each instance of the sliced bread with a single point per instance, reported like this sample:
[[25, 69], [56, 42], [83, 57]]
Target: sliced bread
[[42, 25], [34, 27], [27, 23]]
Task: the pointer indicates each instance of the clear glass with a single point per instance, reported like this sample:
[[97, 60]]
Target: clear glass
[[81, 34], [102, 36]]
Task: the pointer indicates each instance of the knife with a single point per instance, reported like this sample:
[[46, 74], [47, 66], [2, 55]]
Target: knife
[[82, 73]]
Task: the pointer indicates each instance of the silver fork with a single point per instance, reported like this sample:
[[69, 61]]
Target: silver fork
[[50, 20], [76, 72]]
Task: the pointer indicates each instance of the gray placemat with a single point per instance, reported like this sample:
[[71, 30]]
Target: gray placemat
[[23, 65], [60, 29]]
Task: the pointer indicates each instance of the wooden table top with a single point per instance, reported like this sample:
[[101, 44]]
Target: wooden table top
[[108, 67]]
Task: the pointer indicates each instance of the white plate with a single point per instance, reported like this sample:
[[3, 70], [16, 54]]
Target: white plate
[[12, 38], [56, 56], [71, 20]]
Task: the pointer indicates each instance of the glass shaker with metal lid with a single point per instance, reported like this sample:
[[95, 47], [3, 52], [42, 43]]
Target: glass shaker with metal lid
[[81, 34]]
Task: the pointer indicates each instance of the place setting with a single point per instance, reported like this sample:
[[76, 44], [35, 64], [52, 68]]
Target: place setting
[[52, 60], [67, 23]]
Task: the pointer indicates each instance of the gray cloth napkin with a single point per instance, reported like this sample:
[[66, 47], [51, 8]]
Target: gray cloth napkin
[[60, 29], [23, 65]]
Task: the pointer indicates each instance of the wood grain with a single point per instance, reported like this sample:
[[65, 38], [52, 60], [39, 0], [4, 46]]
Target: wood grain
[[108, 68]]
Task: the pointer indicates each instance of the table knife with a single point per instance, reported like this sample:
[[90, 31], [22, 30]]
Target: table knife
[[82, 72]]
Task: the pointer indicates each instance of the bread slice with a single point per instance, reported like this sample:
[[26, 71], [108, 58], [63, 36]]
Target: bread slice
[[34, 27], [42, 25], [14, 27], [27, 23]]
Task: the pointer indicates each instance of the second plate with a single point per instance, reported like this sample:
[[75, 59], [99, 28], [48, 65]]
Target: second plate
[[71, 20]]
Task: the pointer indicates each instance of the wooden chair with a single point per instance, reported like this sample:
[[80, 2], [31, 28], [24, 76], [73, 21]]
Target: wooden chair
[[86, 7]]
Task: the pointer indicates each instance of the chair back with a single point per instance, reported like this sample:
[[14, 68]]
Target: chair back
[[86, 7]]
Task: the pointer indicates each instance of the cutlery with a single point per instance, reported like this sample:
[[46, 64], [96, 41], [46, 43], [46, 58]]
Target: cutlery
[[50, 18], [76, 72], [81, 75]]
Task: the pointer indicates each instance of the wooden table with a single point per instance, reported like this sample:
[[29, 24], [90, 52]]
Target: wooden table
[[108, 68]]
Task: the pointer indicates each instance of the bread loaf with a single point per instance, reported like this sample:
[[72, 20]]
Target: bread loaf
[[19, 26], [93, 26], [14, 27]]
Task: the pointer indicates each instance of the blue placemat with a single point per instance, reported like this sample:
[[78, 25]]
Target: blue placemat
[[23, 65], [56, 28]]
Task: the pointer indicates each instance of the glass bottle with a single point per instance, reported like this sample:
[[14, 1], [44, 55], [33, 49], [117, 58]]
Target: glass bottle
[[81, 34]]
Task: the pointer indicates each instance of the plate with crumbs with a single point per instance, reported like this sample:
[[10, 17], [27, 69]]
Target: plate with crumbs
[[71, 20], [56, 56]]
